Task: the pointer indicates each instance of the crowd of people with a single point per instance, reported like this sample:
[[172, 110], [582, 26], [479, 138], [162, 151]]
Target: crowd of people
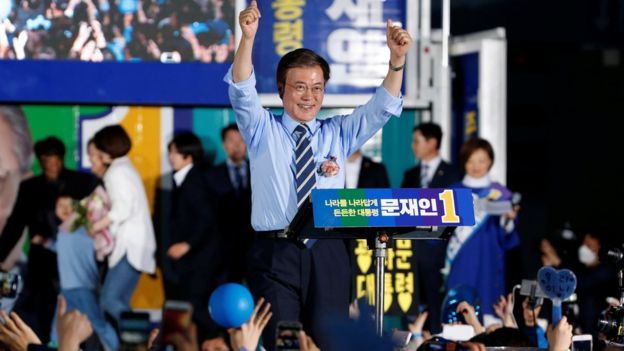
[[119, 30], [91, 235]]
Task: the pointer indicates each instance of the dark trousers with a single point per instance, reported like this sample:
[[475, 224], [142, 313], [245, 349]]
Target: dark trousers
[[430, 256], [307, 285], [197, 279], [37, 301]]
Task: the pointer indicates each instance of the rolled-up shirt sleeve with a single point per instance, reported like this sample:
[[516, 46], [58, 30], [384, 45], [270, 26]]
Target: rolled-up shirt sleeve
[[250, 115], [369, 118]]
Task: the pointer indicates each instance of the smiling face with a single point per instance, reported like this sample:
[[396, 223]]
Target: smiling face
[[303, 92], [478, 164]]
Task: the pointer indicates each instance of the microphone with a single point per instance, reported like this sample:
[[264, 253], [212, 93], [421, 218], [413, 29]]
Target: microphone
[[515, 201]]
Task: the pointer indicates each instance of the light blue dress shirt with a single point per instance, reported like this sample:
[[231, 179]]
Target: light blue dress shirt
[[271, 146]]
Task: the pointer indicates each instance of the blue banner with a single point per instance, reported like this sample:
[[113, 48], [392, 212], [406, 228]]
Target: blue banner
[[465, 111], [338, 208], [349, 34]]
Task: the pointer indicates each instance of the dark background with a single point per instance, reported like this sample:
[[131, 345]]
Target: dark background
[[565, 99]]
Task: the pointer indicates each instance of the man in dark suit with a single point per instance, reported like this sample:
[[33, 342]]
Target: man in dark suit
[[194, 243], [362, 172], [35, 209], [230, 184], [431, 172]]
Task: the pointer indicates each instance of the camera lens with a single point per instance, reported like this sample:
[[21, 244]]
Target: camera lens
[[611, 322], [606, 326]]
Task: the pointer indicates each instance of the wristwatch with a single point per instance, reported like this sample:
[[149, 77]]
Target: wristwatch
[[396, 69]]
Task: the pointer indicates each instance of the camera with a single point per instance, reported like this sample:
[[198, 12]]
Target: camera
[[288, 335], [611, 323], [8, 284]]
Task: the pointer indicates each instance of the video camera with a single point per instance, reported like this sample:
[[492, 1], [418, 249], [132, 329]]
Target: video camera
[[611, 321]]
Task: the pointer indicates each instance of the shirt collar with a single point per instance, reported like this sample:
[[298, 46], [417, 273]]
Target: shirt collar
[[433, 163], [179, 176], [472, 182], [231, 163], [290, 124]]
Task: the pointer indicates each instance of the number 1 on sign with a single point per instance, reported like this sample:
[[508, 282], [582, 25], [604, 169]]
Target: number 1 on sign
[[450, 216]]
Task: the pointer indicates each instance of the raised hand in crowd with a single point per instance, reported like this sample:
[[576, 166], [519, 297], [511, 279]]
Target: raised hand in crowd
[[153, 337], [73, 327], [504, 310], [560, 337], [71, 5], [248, 335], [306, 343], [188, 34], [98, 34], [91, 10], [186, 341], [84, 32], [19, 45], [416, 328], [15, 334], [470, 316]]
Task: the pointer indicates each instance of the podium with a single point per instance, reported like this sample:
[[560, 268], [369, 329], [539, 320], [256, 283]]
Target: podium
[[381, 216]]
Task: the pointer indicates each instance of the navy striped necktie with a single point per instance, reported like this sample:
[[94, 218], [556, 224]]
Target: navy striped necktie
[[304, 166]]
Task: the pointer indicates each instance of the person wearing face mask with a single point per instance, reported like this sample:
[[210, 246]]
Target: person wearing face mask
[[596, 281], [475, 256]]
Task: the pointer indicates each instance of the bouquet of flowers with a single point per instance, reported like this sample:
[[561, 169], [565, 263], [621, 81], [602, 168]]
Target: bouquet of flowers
[[88, 211]]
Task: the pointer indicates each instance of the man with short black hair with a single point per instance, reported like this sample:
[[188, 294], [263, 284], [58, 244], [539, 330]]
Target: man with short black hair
[[291, 154], [231, 187], [35, 209], [194, 245], [431, 172]]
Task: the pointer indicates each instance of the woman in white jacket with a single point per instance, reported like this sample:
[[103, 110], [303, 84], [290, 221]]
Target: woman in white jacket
[[129, 222]]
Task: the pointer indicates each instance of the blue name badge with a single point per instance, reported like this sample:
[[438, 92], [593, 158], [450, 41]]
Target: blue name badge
[[340, 208]]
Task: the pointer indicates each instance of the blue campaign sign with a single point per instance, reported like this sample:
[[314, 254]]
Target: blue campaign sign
[[349, 34], [338, 208]]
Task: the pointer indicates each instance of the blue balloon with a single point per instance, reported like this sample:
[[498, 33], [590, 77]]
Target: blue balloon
[[454, 297], [231, 305]]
